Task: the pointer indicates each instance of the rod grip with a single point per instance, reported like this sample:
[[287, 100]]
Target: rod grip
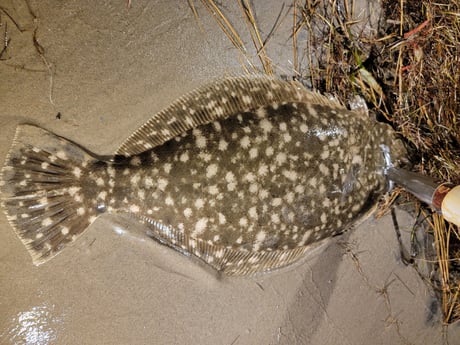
[[450, 206]]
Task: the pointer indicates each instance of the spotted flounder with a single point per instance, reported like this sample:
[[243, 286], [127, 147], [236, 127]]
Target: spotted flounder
[[245, 173]]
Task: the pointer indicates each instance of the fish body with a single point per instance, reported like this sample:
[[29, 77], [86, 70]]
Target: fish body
[[244, 173]]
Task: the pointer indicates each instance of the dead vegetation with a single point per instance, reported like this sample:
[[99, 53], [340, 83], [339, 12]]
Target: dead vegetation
[[406, 65]]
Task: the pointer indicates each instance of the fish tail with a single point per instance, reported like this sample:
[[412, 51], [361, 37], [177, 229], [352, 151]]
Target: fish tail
[[41, 191]]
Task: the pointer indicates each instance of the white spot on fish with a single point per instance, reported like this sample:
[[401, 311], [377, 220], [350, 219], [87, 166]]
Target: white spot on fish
[[134, 208], [245, 142], [187, 212], [263, 170], [213, 190], [275, 218], [261, 112], [253, 188], [184, 157], [229, 177], [290, 197], [77, 172], [247, 99], [311, 110], [219, 112], [102, 195], [200, 226], [220, 253], [357, 160], [231, 186], [47, 222], [266, 125], [135, 161], [287, 137], [167, 168], [162, 183], [211, 170], [260, 236], [290, 174], [313, 182], [141, 194], [324, 169], [356, 207], [250, 177], [323, 218], [111, 171], [200, 140], [62, 155], [205, 156], [277, 202], [148, 182], [263, 194], [222, 219], [223, 145], [73, 190], [322, 189], [199, 203], [281, 158]]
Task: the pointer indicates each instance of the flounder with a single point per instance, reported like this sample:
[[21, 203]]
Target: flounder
[[245, 173]]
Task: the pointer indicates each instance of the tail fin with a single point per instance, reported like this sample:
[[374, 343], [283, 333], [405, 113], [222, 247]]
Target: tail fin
[[41, 192]]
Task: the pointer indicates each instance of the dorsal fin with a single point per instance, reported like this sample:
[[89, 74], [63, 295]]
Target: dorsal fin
[[216, 101]]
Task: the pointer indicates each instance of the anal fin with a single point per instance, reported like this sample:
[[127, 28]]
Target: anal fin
[[230, 261]]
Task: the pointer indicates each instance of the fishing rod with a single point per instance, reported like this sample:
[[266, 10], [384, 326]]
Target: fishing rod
[[443, 197]]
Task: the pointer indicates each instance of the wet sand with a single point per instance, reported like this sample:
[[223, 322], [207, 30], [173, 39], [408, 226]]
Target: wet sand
[[110, 69]]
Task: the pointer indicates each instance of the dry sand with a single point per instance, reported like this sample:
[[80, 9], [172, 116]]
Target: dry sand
[[112, 68]]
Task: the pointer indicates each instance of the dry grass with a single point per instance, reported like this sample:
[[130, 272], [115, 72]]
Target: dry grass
[[231, 32], [407, 69]]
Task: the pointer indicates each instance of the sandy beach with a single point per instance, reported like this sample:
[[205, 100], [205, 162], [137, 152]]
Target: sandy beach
[[94, 72]]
